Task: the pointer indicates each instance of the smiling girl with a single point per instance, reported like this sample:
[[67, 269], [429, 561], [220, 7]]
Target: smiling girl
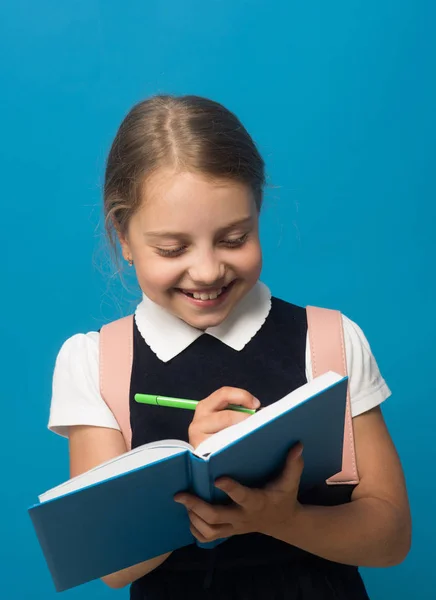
[[183, 194]]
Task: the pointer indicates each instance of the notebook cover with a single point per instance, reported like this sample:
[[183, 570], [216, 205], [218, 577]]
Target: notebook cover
[[112, 525]]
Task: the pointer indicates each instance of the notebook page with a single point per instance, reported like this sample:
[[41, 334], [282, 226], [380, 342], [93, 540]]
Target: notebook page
[[138, 457]]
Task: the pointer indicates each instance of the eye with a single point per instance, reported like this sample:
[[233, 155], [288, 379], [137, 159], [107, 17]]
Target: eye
[[234, 243], [171, 252]]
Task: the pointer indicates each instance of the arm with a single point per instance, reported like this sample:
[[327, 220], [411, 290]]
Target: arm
[[89, 447], [374, 529]]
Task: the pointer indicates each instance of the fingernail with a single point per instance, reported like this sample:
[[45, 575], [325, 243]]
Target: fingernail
[[256, 403]]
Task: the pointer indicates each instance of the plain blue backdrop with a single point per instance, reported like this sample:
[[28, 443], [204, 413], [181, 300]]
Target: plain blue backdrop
[[340, 97]]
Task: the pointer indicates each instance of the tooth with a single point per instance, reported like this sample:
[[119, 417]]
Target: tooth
[[204, 296]]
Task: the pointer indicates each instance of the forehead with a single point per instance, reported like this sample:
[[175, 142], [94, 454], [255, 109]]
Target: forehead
[[189, 200]]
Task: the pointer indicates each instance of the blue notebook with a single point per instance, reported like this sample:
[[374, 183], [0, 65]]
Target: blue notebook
[[122, 512]]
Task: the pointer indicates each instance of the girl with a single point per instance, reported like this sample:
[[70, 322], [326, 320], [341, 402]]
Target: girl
[[183, 192]]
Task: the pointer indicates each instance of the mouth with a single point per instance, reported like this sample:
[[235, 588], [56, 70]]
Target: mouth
[[211, 297]]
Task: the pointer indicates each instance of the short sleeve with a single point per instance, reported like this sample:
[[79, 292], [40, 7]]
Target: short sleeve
[[366, 384], [76, 398]]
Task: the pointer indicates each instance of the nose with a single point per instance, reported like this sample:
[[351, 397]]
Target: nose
[[207, 270]]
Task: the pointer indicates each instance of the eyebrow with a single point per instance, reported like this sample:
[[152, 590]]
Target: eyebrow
[[179, 234]]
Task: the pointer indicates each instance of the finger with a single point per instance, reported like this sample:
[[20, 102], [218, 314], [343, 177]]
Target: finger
[[290, 477], [216, 421], [220, 399], [213, 515], [199, 536], [207, 531], [248, 498]]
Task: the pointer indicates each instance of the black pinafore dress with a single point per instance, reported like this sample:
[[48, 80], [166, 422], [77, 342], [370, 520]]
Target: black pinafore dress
[[251, 566]]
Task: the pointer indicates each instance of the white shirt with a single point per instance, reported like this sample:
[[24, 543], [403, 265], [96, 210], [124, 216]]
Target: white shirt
[[76, 398]]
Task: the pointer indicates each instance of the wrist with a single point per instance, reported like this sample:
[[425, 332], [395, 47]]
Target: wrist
[[287, 528]]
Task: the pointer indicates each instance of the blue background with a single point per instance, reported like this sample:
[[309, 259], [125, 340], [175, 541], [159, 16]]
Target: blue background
[[340, 97]]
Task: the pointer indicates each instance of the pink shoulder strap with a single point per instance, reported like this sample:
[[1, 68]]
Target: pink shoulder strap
[[327, 349], [327, 353], [116, 355]]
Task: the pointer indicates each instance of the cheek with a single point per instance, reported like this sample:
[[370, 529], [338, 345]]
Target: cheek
[[157, 273], [249, 261]]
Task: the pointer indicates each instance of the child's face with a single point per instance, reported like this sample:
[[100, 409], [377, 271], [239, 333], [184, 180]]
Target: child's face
[[195, 245]]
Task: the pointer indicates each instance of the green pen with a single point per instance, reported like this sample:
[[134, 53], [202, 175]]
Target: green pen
[[182, 403]]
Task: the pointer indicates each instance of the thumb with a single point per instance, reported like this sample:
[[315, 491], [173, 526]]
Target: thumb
[[291, 474]]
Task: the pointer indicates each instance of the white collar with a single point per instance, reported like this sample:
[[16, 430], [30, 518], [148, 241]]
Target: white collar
[[168, 336]]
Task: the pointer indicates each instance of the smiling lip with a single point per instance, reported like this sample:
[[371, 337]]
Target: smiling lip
[[203, 291], [204, 299]]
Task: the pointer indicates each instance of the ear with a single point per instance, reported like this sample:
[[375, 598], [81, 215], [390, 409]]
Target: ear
[[124, 243], [125, 248]]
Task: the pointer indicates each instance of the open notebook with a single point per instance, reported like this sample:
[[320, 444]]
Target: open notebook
[[72, 519]]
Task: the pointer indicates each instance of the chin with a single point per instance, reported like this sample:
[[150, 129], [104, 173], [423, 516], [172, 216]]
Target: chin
[[205, 322]]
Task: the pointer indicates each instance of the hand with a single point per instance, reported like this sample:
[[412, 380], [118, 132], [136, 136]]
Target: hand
[[210, 414], [266, 510]]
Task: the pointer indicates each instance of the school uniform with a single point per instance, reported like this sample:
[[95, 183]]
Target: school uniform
[[261, 347]]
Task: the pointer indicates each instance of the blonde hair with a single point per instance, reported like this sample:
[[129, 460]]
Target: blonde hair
[[187, 133]]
